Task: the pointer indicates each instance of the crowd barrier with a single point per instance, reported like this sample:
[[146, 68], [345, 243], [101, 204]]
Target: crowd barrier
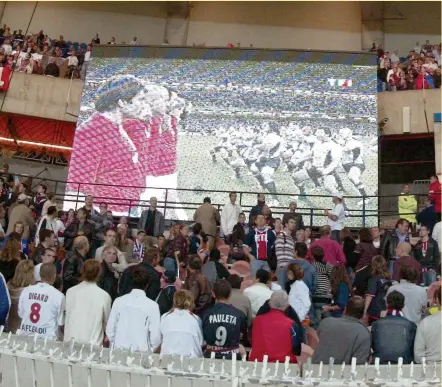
[[28, 362]]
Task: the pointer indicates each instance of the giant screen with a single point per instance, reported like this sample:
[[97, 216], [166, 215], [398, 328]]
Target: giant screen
[[292, 124]]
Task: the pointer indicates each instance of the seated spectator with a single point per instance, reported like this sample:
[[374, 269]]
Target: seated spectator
[[299, 294], [333, 252], [345, 337], [426, 252], [181, 330], [123, 243], [393, 336], [198, 285], [46, 319], [198, 240], [310, 278], [108, 280], [165, 298], [403, 251], [9, 258], [138, 247], [428, 336], [238, 299], [48, 256], [215, 268], [260, 291], [112, 41], [276, 335], [138, 312], [110, 241], [73, 263], [223, 325], [340, 289], [5, 301], [81, 226], [87, 307], [23, 277]]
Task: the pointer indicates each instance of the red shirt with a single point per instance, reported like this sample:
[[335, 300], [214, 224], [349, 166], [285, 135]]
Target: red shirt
[[333, 253], [434, 194], [261, 244]]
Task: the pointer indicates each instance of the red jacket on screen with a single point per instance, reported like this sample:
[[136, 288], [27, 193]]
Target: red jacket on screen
[[435, 195]]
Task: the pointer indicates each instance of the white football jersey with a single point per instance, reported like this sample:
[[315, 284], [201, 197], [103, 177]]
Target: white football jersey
[[41, 309]]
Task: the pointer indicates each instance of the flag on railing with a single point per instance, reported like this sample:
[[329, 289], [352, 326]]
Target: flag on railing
[[5, 75], [340, 82]]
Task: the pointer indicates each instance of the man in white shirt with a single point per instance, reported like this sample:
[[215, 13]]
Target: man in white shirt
[[41, 306], [437, 234], [7, 47], [48, 256], [259, 292], [229, 215], [110, 240], [134, 321], [87, 308], [336, 217]]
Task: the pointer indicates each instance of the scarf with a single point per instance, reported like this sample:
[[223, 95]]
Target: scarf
[[394, 312]]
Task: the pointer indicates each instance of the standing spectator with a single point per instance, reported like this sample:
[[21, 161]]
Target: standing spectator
[[257, 210], [333, 253], [310, 278], [393, 336], [223, 324], [47, 240], [46, 222], [42, 307], [198, 286], [123, 243], [20, 212], [238, 299], [435, 195], [403, 251], [138, 312], [81, 226], [299, 295], [102, 222], [96, 40], [336, 217], [391, 241], [181, 330], [23, 277], [437, 234], [40, 199], [89, 206], [134, 42], [51, 202], [276, 335], [378, 285], [340, 290], [74, 262], [427, 217], [308, 236], [87, 307], [407, 205], [152, 221], [428, 336], [9, 258], [376, 236], [349, 246], [229, 216], [284, 250], [165, 298], [179, 246], [258, 246], [208, 216], [365, 249], [426, 252], [52, 69], [259, 292], [415, 296], [345, 337], [48, 256], [198, 240], [322, 295], [299, 223]]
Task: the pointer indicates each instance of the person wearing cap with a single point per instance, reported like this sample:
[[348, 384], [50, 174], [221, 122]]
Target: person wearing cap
[[297, 217], [20, 212], [336, 217]]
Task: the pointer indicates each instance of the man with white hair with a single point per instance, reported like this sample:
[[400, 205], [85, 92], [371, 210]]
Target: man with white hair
[[274, 334]]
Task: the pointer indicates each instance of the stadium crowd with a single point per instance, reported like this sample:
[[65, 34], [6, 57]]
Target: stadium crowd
[[227, 284], [420, 69]]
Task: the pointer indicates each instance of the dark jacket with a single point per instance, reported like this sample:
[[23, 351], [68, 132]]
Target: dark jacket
[[431, 258], [72, 232], [158, 223], [101, 224], [7, 268], [181, 244], [427, 217], [165, 298], [152, 291], [238, 233], [393, 337], [36, 257], [389, 244], [198, 285], [71, 270], [255, 211], [349, 246], [107, 281], [52, 69]]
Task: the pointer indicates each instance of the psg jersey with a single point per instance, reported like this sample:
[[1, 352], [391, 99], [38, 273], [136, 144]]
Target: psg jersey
[[222, 328]]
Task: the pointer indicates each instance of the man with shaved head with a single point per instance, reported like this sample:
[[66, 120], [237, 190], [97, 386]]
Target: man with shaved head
[[403, 251]]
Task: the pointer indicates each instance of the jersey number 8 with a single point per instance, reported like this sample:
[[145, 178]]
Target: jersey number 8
[[35, 313]]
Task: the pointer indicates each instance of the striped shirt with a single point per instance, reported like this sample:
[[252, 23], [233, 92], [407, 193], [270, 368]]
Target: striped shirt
[[323, 273], [284, 249]]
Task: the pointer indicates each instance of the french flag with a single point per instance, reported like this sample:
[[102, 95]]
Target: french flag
[[340, 82], [5, 76]]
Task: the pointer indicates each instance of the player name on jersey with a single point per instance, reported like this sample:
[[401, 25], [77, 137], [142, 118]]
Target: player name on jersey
[[38, 297], [222, 318]]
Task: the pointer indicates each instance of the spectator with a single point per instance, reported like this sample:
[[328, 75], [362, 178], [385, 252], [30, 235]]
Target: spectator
[[138, 312], [407, 205], [215, 269], [46, 319], [426, 252], [198, 286], [333, 253], [5, 301], [308, 236], [47, 240], [240, 230], [81, 226], [223, 325], [310, 277], [300, 236], [365, 250], [51, 202], [112, 41], [46, 222], [40, 199], [435, 195], [378, 285], [340, 290], [49, 255], [270, 221], [87, 307], [276, 335], [96, 40], [152, 221], [123, 243], [133, 42], [73, 263], [110, 241], [179, 246], [89, 206], [336, 217], [165, 298], [102, 222], [284, 250], [415, 296], [435, 285], [238, 299], [299, 223], [20, 212], [198, 240], [229, 216], [72, 66], [299, 294], [349, 246], [257, 210], [108, 280], [181, 330], [7, 48], [322, 295], [138, 248], [260, 291], [427, 217], [208, 216], [393, 336], [258, 246], [403, 251], [428, 336], [391, 241], [23, 277], [9, 258], [345, 337]]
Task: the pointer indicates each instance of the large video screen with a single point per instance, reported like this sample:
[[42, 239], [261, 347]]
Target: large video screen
[[203, 121]]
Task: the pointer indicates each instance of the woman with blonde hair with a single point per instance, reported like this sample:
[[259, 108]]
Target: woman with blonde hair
[[181, 329], [23, 277], [9, 258]]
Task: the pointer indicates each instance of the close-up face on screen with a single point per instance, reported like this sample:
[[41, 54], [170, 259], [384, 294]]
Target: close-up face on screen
[[292, 124]]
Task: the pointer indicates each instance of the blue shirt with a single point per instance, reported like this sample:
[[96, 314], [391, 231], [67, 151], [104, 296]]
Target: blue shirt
[[310, 277], [341, 299]]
